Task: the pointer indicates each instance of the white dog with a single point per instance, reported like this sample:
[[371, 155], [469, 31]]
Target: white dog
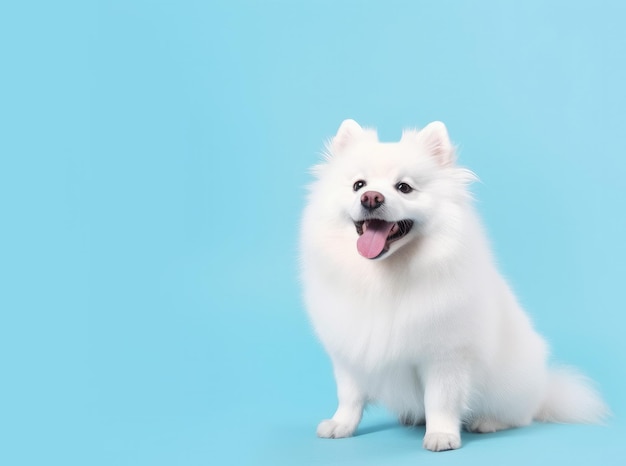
[[404, 294]]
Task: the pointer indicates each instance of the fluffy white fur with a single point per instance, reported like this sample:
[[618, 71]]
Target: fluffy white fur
[[429, 329]]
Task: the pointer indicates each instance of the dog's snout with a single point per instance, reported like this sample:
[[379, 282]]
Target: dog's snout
[[372, 200]]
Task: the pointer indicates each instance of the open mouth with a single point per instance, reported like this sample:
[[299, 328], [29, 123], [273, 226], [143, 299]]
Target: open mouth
[[376, 235]]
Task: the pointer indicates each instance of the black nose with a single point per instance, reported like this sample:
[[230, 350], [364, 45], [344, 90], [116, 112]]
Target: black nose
[[372, 200]]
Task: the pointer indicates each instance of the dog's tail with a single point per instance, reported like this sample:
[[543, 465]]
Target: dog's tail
[[572, 398]]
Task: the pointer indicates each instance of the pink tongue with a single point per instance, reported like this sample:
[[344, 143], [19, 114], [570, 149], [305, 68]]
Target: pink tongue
[[372, 242]]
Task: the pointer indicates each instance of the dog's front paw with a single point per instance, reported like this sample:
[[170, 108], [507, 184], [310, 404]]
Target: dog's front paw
[[441, 441], [333, 429]]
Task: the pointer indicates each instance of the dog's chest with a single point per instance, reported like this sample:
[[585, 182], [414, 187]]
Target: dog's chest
[[375, 334], [384, 322]]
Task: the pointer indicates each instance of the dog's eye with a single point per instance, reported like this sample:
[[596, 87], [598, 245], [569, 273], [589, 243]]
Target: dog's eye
[[404, 188], [358, 185]]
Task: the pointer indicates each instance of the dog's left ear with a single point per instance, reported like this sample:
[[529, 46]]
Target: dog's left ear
[[434, 137]]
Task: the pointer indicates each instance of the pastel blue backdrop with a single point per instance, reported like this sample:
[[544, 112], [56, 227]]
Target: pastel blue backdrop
[[152, 162]]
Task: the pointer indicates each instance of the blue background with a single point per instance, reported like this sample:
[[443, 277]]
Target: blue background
[[152, 163]]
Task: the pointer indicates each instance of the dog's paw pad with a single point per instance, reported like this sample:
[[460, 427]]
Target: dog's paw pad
[[333, 429], [441, 441]]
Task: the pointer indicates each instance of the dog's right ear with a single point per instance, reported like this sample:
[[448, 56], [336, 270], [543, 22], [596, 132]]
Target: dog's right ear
[[348, 132]]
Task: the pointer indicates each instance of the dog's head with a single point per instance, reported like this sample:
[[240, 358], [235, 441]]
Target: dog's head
[[390, 194]]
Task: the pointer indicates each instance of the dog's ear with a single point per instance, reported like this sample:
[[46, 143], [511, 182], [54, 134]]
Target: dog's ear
[[434, 137], [348, 132]]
